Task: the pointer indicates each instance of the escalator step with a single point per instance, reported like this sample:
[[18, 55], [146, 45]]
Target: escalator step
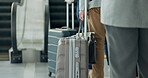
[[5, 26], [60, 16], [58, 9], [5, 16], [5, 23], [60, 23], [5, 9], [5, 41], [57, 2], [5, 32], [8, 1], [4, 56], [4, 49], [5, 3]]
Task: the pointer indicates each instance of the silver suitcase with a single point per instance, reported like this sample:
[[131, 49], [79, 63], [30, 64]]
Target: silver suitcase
[[72, 55], [72, 58]]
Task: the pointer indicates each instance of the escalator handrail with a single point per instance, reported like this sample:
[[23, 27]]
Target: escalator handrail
[[13, 24], [46, 27]]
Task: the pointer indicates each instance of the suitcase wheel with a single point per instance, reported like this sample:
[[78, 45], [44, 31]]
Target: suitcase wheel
[[50, 73]]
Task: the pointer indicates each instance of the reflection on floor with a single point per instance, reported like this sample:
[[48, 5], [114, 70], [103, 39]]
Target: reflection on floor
[[30, 70], [106, 70]]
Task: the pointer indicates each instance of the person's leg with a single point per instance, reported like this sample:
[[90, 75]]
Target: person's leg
[[143, 53], [123, 51], [95, 26]]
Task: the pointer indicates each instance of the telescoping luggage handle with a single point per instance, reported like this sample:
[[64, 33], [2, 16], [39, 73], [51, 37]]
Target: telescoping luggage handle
[[83, 24], [67, 15], [85, 20]]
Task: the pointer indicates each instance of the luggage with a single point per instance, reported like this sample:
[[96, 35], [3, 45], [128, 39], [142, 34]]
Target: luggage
[[72, 56], [53, 37], [92, 48]]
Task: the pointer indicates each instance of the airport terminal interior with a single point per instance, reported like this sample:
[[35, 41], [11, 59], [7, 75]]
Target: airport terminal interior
[[24, 39]]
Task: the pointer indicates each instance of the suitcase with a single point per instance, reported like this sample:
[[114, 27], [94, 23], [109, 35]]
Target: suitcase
[[72, 55], [53, 37], [72, 58]]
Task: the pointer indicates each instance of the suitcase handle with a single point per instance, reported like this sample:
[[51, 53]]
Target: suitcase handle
[[85, 17], [85, 20], [67, 15], [81, 29]]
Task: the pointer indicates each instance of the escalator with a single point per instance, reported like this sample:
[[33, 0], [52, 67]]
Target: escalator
[[5, 28], [29, 29]]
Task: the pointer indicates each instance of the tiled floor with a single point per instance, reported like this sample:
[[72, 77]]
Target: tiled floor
[[29, 70]]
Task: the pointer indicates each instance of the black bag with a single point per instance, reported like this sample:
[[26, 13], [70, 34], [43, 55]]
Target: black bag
[[92, 48], [91, 44]]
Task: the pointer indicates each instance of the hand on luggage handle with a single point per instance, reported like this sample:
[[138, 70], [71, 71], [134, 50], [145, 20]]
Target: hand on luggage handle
[[81, 14], [81, 29], [83, 17], [69, 2]]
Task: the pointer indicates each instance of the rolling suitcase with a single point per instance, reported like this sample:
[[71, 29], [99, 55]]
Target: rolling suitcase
[[53, 37], [72, 56]]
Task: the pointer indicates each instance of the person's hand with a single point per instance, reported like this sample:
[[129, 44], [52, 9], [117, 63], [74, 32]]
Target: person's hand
[[81, 14], [68, 2]]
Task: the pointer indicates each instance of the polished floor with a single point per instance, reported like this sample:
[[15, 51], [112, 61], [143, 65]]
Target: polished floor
[[30, 70]]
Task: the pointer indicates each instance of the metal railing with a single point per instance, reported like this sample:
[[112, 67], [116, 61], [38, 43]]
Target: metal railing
[[13, 23], [46, 24]]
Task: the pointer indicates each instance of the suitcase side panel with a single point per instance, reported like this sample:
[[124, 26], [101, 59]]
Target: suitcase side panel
[[51, 64], [53, 40], [52, 48], [60, 59], [52, 56], [84, 59]]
